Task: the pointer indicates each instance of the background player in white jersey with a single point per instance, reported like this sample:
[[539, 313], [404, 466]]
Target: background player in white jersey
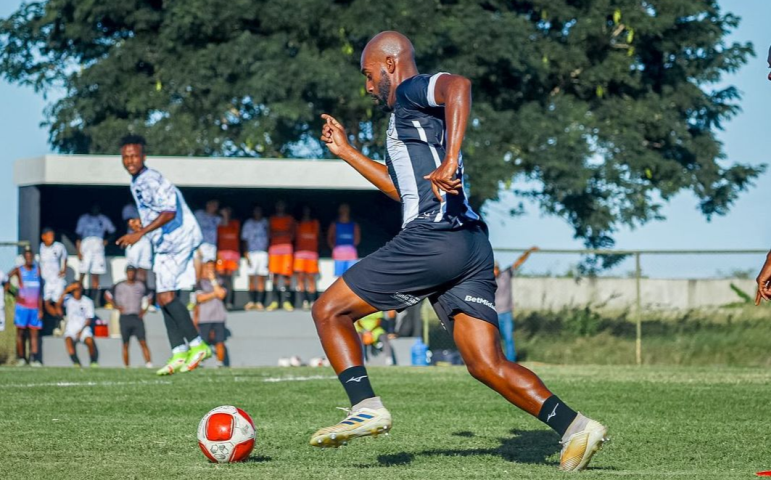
[[91, 230], [80, 312], [208, 220], [254, 235], [174, 233], [139, 255], [53, 269]]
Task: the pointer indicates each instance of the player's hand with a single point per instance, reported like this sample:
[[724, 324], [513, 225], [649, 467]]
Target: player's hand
[[764, 282], [443, 179], [533, 249], [129, 239], [135, 224], [62, 274], [105, 242], [334, 136]]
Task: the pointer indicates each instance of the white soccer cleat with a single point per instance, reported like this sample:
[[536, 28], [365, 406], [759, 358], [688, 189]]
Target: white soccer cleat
[[362, 423], [579, 449]]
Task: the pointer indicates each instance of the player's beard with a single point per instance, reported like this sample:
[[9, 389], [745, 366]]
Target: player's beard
[[384, 91]]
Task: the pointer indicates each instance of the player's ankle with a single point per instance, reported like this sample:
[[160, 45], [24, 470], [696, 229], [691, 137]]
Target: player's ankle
[[372, 403]]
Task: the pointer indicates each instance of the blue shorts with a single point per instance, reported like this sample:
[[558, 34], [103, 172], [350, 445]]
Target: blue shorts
[[452, 267], [27, 318], [341, 266]]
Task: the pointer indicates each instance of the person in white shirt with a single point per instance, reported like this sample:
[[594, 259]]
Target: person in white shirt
[[80, 312], [208, 220], [254, 236], [91, 230], [53, 268], [166, 220]]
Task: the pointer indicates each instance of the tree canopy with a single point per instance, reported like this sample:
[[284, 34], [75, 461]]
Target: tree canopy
[[605, 108]]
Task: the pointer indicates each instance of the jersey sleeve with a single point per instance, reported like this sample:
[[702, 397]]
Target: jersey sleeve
[[63, 252], [157, 194], [81, 226], [108, 225], [418, 92], [89, 310]]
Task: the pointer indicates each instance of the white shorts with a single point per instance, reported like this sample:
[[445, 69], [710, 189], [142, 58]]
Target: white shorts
[[259, 264], [53, 288], [207, 252], [2, 317], [92, 251], [71, 331], [174, 270], [140, 255]]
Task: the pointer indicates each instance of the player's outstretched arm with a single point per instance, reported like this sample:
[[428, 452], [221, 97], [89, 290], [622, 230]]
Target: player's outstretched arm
[[334, 136], [764, 282], [523, 258], [454, 92]]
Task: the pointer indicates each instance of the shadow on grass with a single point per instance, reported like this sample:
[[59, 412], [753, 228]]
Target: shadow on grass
[[258, 459], [529, 447]]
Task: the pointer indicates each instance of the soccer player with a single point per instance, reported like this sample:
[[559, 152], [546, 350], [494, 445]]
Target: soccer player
[[504, 302], [228, 251], [128, 299], [441, 253], [280, 252], [764, 277], [306, 258], [211, 311], [175, 235], [343, 237], [208, 219], [53, 269], [255, 248], [28, 315], [139, 255], [80, 312], [91, 230]]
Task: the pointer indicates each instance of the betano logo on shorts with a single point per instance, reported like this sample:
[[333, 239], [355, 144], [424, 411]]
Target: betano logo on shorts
[[408, 300], [486, 303]]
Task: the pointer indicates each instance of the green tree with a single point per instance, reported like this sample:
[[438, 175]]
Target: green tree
[[607, 108]]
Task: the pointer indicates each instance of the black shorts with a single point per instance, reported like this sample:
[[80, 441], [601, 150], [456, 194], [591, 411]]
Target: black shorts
[[131, 325], [452, 267], [218, 328]]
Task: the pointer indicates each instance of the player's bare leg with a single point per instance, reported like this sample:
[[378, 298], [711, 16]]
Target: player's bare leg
[[300, 299], [34, 344], [146, 353], [126, 355], [91, 350], [20, 350], [479, 344], [334, 314], [71, 351], [260, 304]]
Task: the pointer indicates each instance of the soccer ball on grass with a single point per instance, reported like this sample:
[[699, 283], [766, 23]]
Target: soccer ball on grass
[[226, 434]]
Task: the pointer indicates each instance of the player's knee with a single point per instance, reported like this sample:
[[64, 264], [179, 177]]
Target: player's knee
[[484, 369]]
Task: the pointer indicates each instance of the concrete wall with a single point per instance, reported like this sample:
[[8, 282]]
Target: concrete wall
[[255, 339], [620, 293]]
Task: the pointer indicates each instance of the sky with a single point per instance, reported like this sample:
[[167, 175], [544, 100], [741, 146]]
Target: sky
[[22, 136]]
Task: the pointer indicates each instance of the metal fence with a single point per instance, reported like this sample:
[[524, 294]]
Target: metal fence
[[637, 255]]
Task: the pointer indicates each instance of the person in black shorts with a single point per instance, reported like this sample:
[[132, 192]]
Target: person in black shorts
[[442, 253], [210, 311], [128, 297]]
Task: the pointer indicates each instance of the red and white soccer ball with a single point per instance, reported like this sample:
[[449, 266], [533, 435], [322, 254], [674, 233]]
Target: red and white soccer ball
[[226, 434]]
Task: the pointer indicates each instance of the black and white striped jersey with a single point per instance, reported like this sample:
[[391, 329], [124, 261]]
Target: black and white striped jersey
[[415, 147]]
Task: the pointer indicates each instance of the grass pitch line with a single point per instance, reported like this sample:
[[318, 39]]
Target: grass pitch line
[[85, 384], [288, 379]]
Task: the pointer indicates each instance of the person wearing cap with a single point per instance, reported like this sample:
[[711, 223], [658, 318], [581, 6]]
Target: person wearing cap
[[128, 296], [504, 302], [53, 268]]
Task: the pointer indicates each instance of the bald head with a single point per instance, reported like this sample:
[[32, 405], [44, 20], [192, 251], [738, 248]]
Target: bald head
[[769, 62], [387, 60]]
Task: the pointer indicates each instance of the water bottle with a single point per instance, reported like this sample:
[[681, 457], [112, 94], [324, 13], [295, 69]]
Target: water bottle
[[420, 353]]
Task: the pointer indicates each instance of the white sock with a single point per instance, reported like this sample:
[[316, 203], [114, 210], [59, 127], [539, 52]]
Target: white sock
[[179, 349], [196, 341], [372, 403], [578, 424]]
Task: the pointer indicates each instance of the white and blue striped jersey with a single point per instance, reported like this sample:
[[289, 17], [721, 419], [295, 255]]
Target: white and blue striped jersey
[[415, 147], [154, 194]]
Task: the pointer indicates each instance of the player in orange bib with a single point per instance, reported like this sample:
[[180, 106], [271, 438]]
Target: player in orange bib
[[306, 258], [280, 253], [228, 251]]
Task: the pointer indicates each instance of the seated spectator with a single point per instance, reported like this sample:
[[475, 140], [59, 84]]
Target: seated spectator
[[228, 251], [210, 312], [79, 311], [374, 337], [128, 298]]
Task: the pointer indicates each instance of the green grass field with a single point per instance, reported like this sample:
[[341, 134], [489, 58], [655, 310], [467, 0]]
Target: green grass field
[[106, 423]]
